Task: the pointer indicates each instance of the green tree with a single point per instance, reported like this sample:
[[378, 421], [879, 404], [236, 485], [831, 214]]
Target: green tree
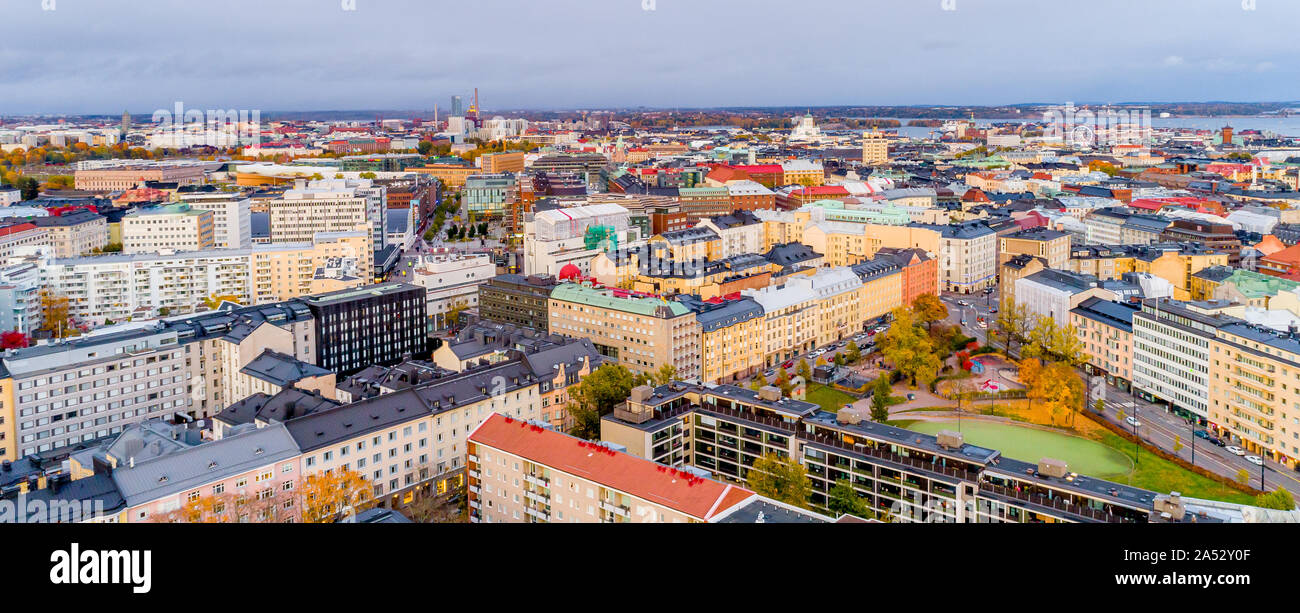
[[595, 396], [1279, 498], [756, 384], [853, 352], [929, 309], [844, 500], [880, 399], [425, 147], [804, 370], [1243, 476], [1012, 325], [780, 478]]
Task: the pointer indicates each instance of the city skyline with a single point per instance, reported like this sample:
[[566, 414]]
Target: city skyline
[[981, 53]]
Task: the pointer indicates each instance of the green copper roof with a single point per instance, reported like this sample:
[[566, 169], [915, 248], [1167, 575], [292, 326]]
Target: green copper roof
[[605, 299]]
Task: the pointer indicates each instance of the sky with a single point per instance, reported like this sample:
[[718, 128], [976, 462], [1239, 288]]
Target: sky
[[106, 56]]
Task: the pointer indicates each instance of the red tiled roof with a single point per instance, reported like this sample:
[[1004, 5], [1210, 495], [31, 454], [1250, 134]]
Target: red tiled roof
[[16, 228], [678, 490]]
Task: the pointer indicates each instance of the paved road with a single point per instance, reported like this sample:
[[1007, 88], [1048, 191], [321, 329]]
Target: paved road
[[1159, 426], [977, 306]]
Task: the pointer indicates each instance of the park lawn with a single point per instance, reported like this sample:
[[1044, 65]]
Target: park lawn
[[1162, 476], [901, 423], [829, 398]]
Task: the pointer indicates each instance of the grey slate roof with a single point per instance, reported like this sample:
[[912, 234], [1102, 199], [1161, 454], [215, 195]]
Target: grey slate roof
[[281, 369], [187, 469]]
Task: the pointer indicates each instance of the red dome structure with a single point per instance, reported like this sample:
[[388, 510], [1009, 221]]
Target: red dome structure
[[570, 272]]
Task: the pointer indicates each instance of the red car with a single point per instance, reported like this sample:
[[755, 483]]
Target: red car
[[788, 364]]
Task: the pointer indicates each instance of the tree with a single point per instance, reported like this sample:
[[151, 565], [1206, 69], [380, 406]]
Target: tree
[[332, 495], [425, 147], [783, 381], [13, 339], [853, 352], [804, 370], [929, 309], [28, 188], [453, 314], [54, 315], [1279, 498], [1059, 387], [756, 384], [596, 395], [910, 349], [880, 400], [780, 478], [1013, 323], [844, 500], [213, 301], [664, 375], [1243, 476]]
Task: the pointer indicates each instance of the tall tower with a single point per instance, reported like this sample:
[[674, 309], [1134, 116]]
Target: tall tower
[[126, 122], [456, 109]]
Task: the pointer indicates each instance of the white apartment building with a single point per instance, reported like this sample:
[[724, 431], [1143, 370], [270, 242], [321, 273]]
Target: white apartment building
[[301, 213], [114, 287], [83, 389], [376, 203], [232, 228], [451, 280], [1171, 358], [174, 227]]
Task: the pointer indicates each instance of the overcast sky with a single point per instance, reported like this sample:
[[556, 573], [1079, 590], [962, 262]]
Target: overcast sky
[[103, 56]]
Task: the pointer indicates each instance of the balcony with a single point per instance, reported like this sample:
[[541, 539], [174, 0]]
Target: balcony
[[617, 509], [538, 481], [539, 498], [538, 513]]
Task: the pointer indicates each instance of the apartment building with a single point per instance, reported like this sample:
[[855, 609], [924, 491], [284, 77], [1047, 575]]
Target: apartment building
[[640, 332], [967, 256], [509, 161], [373, 324], [451, 281], [1171, 353], [169, 228], [516, 299], [231, 217], [739, 233], [523, 473], [731, 338], [485, 195], [802, 172], [749, 195], [302, 212], [1053, 293], [23, 234], [791, 320], [116, 287], [1177, 263], [250, 476], [875, 148], [909, 476], [1051, 245], [91, 387], [76, 233], [1106, 330], [413, 442]]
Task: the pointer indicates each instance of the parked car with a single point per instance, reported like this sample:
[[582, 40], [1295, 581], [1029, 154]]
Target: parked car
[[1203, 434], [1256, 460], [984, 324], [1235, 450], [962, 303], [1132, 421], [788, 364], [993, 309], [768, 374], [1218, 441]]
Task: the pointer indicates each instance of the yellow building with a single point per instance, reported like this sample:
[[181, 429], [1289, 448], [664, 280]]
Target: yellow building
[[1177, 264], [286, 270], [8, 436], [731, 339], [453, 175]]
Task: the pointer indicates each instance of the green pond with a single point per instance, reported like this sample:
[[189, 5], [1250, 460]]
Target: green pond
[[1084, 456]]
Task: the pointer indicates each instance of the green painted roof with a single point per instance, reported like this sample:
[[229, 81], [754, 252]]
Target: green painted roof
[[604, 298], [1258, 285]]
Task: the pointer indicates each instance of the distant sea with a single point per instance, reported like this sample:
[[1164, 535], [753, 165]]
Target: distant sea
[[1285, 126]]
